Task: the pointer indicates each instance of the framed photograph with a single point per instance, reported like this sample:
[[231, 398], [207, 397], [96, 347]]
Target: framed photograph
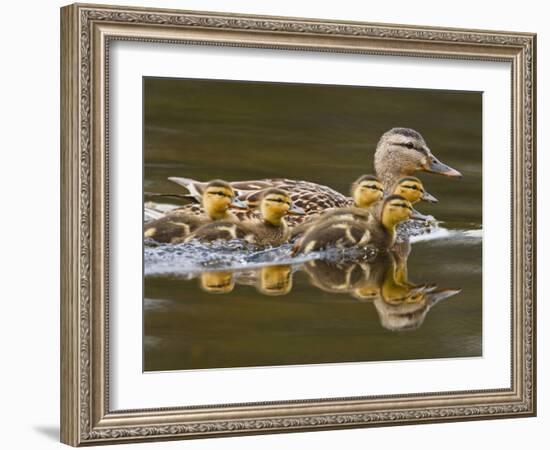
[[275, 224]]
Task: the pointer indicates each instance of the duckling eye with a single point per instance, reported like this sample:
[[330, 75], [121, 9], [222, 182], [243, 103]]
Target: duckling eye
[[412, 186], [369, 186], [220, 193], [409, 145], [402, 205]]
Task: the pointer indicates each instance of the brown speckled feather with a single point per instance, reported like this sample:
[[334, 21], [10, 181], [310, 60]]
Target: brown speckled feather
[[313, 198]]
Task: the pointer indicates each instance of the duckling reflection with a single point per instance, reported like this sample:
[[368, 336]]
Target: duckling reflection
[[217, 282], [338, 277], [402, 305], [275, 280]]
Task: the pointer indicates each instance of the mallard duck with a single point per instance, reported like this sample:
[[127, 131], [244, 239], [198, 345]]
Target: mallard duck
[[217, 197], [400, 152], [270, 230], [371, 232]]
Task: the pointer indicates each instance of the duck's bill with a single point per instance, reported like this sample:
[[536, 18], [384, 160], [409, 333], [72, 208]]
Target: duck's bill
[[436, 166], [429, 197], [419, 216], [441, 294], [296, 210], [236, 203]]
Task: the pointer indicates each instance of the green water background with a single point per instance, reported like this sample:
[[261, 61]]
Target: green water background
[[207, 129]]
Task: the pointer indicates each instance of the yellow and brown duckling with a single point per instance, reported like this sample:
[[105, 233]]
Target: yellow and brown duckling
[[413, 190], [366, 191], [400, 152], [173, 227], [371, 232], [270, 230]]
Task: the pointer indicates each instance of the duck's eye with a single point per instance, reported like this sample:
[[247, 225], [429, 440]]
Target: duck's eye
[[411, 186], [401, 205], [409, 145], [370, 186], [220, 193]]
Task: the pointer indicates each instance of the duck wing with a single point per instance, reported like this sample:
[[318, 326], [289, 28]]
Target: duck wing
[[313, 198]]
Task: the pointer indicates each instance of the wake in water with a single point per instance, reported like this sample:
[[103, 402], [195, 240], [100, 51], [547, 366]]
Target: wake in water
[[188, 258]]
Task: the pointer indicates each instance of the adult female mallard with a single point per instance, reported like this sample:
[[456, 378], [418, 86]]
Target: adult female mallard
[[217, 197], [270, 230], [400, 152], [371, 232]]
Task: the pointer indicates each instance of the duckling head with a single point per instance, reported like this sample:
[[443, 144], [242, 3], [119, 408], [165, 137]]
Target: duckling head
[[275, 204], [403, 151], [413, 190], [218, 196], [366, 191], [396, 209]]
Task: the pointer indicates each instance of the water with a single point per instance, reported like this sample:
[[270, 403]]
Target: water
[[237, 306]]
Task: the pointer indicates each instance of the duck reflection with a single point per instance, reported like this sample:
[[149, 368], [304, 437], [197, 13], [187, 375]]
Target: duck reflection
[[275, 280], [400, 303], [217, 282], [383, 281]]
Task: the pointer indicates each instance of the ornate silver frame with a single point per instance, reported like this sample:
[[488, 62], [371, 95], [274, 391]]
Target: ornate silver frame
[[86, 31]]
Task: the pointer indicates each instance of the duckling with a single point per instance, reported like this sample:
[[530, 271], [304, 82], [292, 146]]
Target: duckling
[[413, 190], [176, 224], [270, 230], [370, 232], [400, 152], [366, 191]]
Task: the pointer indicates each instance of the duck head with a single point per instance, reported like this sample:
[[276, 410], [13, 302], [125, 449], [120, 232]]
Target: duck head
[[366, 191], [403, 151], [396, 209], [275, 204], [217, 197], [413, 190]]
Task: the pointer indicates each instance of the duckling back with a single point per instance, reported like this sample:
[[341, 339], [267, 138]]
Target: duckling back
[[341, 233], [258, 232], [173, 226]]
